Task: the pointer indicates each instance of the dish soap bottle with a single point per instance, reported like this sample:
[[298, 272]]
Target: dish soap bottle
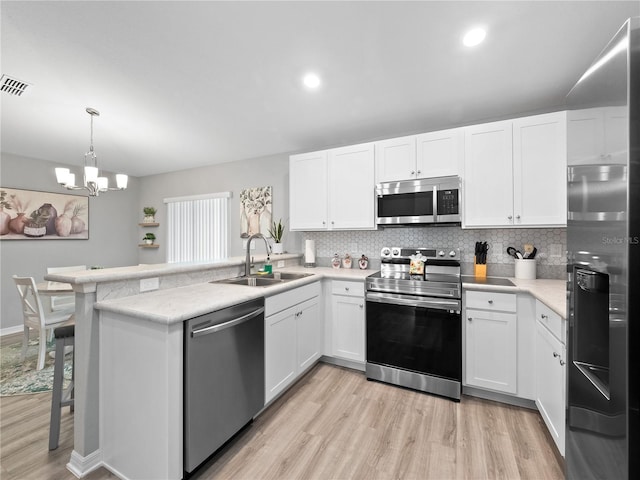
[[267, 265]]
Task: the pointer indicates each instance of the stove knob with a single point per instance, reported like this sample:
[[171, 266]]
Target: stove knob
[[441, 253], [385, 252], [452, 253], [395, 252]]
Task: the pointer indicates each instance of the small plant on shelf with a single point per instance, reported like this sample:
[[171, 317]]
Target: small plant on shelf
[[277, 232], [149, 214], [149, 238]]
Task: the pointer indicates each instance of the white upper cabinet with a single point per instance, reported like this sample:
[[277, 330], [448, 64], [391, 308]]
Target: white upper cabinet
[[488, 175], [351, 187], [396, 159], [439, 154], [540, 170], [515, 173], [433, 154], [308, 191], [598, 138], [333, 189]]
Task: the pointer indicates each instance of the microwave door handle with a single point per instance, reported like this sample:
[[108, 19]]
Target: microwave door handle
[[435, 203]]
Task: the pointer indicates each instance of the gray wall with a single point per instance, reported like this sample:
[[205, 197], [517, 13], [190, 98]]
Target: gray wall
[[234, 177], [113, 232]]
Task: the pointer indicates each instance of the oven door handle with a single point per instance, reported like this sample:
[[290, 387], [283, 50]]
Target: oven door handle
[[397, 299]]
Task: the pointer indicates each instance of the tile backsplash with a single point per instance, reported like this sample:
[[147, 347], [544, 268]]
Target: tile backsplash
[[550, 242]]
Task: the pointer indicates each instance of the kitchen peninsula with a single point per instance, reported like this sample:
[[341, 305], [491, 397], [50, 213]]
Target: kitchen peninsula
[[180, 291]]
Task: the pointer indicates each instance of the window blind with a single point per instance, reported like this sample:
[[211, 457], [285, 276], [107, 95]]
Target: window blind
[[197, 227]]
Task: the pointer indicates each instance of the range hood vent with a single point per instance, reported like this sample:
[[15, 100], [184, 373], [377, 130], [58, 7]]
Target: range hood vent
[[12, 86]]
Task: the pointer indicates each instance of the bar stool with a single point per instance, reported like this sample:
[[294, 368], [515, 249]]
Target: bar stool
[[60, 398]]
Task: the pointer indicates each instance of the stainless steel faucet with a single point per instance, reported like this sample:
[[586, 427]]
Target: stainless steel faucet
[[247, 267]]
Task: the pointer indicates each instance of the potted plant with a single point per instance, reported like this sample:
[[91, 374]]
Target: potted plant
[[37, 224], [277, 231], [149, 215], [149, 238]]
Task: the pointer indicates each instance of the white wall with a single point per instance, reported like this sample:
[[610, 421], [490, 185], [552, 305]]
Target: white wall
[[234, 177], [112, 242]]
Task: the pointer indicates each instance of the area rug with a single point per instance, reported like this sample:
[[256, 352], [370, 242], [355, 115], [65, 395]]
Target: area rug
[[19, 377]]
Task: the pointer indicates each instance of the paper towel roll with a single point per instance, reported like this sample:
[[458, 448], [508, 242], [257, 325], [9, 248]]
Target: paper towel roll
[[309, 252]]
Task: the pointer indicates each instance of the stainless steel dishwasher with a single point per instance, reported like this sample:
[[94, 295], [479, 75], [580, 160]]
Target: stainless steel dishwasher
[[223, 377]]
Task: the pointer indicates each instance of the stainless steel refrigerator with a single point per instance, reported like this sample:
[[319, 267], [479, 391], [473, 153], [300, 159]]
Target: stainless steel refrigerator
[[603, 264]]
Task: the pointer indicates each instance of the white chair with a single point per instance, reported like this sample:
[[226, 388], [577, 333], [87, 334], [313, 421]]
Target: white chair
[[37, 318], [64, 302]]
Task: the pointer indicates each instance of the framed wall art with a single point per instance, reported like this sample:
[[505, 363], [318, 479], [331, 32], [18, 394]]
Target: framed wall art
[[35, 215], [255, 211]]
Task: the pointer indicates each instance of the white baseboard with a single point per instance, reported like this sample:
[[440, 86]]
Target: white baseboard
[[81, 466], [11, 330]]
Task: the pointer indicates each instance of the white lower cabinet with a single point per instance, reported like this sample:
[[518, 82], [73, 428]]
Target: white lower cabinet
[[348, 320], [308, 334], [500, 342], [491, 350], [279, 352], [551, 375], [293, 336], [491, 341]]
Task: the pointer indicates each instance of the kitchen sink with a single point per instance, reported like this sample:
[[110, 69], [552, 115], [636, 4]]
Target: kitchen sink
[[250, 281], [287, 276], [263, 280]]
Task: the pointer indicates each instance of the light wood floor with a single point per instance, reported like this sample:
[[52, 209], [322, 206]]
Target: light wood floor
[[333, 424]]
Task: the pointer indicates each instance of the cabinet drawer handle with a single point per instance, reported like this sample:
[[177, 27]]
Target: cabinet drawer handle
[[469, 318], [543, 316], [556, 354], [510, 217], [361, 305], [562, 362], [346, 289], [490, 302], [413, 172], [419, 172], [518, 217]]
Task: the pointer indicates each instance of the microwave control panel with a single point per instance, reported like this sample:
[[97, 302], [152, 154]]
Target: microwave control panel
[[448, 202]]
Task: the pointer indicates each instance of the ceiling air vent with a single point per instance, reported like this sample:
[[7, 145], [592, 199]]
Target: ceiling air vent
[[12, 86]]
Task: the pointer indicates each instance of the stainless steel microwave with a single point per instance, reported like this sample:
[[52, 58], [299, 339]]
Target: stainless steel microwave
[[423, 201]]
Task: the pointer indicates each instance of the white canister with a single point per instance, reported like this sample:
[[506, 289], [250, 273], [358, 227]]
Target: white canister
[[525, 268]]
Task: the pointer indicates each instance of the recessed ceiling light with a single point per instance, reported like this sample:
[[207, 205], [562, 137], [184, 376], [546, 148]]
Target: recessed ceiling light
[[311, 80], [474, 37]]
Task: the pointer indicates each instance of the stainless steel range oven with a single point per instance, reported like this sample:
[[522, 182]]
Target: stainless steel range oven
[[414, 328]]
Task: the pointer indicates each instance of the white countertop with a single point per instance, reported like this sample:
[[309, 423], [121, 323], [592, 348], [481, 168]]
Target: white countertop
[[182, 303], [553, 293]]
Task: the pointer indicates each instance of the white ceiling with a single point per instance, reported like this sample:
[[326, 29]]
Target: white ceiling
[[186, 84]]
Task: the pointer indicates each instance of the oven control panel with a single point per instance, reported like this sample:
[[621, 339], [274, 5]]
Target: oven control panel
[[407, 252]]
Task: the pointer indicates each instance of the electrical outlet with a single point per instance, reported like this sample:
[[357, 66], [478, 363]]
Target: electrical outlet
[[555, 250], [280, 264], [148, 284]]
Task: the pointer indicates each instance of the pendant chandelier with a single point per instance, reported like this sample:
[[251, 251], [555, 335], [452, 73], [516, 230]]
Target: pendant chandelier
[[92, 182]]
